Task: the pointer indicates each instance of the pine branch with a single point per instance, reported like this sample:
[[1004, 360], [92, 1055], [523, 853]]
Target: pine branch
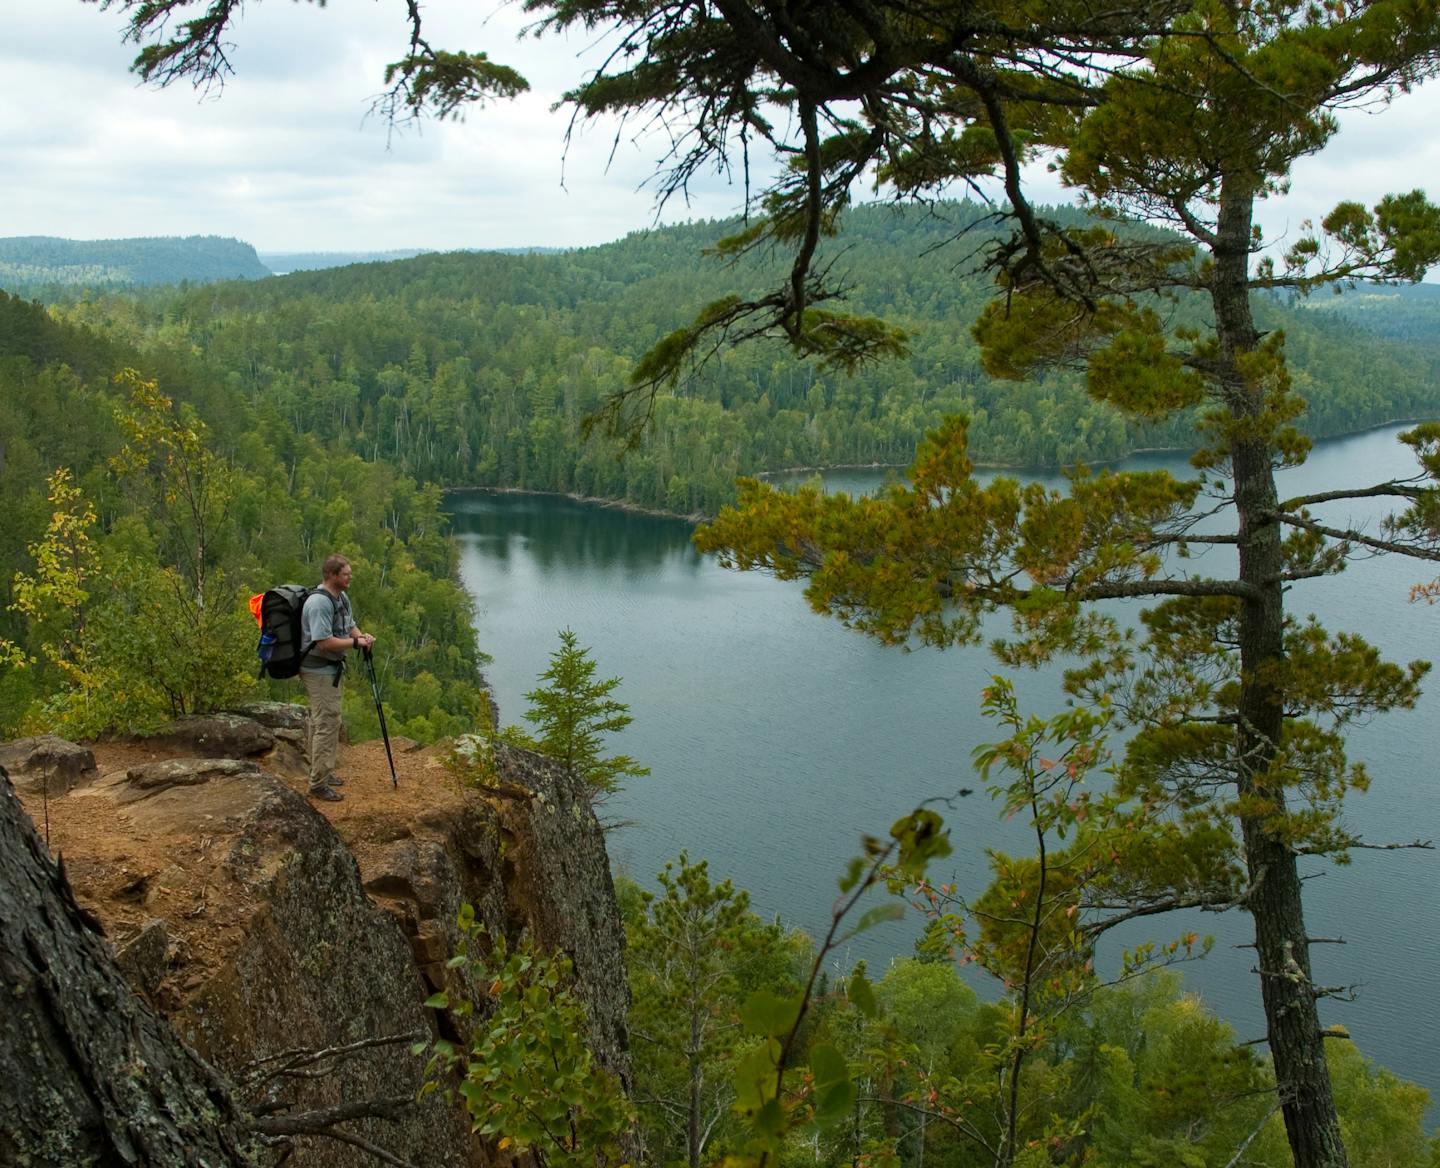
[[1131, 911], [1134, 588], [364, 1145], [1347, 845], [306, 1123], [1180, 537], [1395, 487], [1414, 551]]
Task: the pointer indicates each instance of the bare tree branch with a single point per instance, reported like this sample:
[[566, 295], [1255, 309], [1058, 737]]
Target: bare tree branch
[[1395, 487], [316, 1122], [255, 1072], [1259, 1127], [1349, 535]]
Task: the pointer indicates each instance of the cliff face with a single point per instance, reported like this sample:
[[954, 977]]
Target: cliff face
[[261, 927]]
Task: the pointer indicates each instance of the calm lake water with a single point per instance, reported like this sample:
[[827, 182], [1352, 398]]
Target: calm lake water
[[777, 738]]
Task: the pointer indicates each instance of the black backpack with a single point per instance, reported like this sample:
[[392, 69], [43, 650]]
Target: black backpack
[[278, 612]]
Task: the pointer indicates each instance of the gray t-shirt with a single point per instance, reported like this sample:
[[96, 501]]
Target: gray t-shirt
[[323, 616]]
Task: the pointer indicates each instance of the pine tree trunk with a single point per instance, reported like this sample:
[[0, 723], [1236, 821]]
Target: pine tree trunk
[[92, 1075], [1275, 905], [692, 1131]]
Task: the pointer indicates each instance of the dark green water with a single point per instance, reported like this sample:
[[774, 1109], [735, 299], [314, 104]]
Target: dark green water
[[777, 738]]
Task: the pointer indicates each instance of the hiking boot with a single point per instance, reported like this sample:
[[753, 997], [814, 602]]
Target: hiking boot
[[326, 794], [334, 781]]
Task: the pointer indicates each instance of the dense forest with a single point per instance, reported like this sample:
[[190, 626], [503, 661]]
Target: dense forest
[[481, 368], [338, 403], [144, 508], [168, 452], [282, 263], [41, 265], [1137, 1074]]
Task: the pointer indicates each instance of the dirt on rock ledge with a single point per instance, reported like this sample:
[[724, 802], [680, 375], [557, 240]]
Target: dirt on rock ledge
[[257, 920], [128, 873]]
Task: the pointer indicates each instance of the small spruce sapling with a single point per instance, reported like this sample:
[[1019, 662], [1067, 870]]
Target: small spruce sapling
[[573, 712]]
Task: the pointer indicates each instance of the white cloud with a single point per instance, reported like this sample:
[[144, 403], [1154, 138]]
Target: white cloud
[[1374, 154], [286, 157]]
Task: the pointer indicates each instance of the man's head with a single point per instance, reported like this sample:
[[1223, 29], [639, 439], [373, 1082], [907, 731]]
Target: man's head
[[336, 571]]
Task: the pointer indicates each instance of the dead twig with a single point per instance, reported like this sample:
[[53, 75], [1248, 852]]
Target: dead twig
[[262, 1070]]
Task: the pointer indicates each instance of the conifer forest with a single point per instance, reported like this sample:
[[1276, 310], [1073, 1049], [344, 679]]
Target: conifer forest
[[179, 429]]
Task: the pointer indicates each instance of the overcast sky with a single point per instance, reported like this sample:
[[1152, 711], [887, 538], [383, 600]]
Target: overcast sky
[[286, 158]]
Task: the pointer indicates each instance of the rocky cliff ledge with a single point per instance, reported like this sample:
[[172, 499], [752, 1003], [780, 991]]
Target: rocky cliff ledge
[[259, 924]]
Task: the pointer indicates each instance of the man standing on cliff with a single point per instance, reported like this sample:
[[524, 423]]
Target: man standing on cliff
[[329, 628]]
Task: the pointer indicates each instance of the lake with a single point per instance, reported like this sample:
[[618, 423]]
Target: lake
[[777, 738]]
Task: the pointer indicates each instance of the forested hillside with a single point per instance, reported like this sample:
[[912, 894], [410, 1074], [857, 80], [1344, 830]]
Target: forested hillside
[[146, 501], [480, 368], [1402, 312], [282, 263], [42, 264], [170, 451]]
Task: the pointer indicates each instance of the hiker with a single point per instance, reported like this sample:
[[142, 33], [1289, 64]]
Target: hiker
[[331, 632]]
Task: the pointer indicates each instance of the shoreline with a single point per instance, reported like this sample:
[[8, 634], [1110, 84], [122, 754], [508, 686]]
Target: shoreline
[[692, 518], [696, 517]]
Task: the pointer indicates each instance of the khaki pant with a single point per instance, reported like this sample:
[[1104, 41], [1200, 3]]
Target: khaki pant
[[322, 728]]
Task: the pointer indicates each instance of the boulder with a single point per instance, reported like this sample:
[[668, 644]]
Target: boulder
[[277, 716], [219, 735], [96, 1075], [567, 896], [448, 855], [287, 758], [280, 935], [47, 761], [414, 870], [416, 882], [144, 780]]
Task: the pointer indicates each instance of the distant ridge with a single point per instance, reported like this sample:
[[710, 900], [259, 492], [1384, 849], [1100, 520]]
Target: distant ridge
[[282, 263], [1397, 312], [476, 367], [28, 261]]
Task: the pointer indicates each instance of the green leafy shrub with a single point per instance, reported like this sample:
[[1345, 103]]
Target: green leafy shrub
[[527, 1078]]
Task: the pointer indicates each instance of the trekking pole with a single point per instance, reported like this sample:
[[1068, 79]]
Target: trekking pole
[[380, 709]]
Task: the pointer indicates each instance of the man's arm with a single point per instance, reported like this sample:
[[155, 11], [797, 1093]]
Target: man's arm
[[334, 644], [354, 640]]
